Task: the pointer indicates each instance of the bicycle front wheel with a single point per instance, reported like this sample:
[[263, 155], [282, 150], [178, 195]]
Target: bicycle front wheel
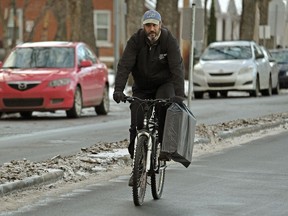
[[139, 171], [157, 180]]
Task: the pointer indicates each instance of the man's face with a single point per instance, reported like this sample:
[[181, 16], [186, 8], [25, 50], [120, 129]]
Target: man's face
[[152, 31]]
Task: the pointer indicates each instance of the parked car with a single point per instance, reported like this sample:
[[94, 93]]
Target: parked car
[[50, 76], [281, 57], [231, 66], [274, 87]]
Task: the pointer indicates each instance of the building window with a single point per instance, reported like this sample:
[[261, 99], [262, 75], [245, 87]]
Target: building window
[[102, 23]]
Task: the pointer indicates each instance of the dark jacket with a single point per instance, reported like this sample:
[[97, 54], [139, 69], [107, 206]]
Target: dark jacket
[[151, 65]]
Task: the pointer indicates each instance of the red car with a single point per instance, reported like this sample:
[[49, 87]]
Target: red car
[[50, 76]]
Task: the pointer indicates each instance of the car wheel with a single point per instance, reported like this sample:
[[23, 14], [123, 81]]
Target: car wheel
[[212, 94], [224, 93], [104, 107], [1, 114], [256, 91], [268, 92], [198, 95], [75, 111], [276, 90], [26, 114]]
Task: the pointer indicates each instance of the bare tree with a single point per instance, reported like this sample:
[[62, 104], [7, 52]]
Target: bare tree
[[15, 23], [15, 32], [264, 6], [87, 33], [135, 10], [4, 22], [170, 15], [254, 14], [74, 14], [59, 10], [78, 15], [211, 37], [205, 26], [248, 19], [48, 5]]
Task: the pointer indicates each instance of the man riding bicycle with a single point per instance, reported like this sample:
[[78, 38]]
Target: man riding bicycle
[[153, 57]]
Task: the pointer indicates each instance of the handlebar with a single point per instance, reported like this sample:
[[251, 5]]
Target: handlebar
[[130, 99]]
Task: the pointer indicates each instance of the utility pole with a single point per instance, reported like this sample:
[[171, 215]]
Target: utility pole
[[191, 60], [116, 34]]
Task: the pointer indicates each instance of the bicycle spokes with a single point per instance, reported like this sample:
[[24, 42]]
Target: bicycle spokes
[[139, 172]]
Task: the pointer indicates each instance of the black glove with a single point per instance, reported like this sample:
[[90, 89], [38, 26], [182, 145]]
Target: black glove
[[177, 99], [118, 96]]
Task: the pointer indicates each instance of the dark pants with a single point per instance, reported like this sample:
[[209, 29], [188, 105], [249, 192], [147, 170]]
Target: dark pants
[[164, 91]]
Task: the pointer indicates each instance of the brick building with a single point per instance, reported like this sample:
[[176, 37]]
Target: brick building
[[34, 15]]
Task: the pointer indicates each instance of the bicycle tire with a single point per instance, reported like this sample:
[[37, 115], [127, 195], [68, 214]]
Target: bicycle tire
[[139, 171], [157, 176]]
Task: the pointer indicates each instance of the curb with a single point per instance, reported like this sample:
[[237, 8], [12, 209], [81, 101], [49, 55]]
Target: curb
[[51, 176], [240, 131], [251, 129]]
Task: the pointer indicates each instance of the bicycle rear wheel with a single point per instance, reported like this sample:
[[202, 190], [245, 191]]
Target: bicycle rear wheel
[[139, 171]]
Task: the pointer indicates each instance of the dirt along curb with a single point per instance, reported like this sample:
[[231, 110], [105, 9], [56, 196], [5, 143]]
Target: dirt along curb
[[249, 130], [50, 177], [205, 134]]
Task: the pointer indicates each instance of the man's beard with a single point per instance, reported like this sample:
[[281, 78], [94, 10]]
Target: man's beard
[[153, 36]]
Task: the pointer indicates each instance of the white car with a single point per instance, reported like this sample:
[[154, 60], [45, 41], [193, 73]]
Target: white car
[[231, 66]]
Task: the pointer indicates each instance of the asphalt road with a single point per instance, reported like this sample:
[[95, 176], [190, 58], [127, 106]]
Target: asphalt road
[[48, 135], [249, 179]]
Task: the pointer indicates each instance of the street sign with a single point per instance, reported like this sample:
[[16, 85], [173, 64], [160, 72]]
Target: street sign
[[199, 24]]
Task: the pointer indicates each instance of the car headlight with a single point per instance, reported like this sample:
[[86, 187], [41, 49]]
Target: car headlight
[[59, 82], [249, 69], [198, 72]]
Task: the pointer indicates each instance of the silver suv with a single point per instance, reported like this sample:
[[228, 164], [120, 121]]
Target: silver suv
[[231, 66]]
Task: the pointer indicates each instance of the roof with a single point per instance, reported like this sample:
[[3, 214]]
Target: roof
[[225, 5], [232, 43], [48, 44]]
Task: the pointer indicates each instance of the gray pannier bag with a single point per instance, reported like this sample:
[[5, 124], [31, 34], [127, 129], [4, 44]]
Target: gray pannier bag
[[179, 134]]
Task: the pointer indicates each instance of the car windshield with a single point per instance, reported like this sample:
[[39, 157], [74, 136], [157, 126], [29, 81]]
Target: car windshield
[[227, 53], [41, 57], [280, 56]]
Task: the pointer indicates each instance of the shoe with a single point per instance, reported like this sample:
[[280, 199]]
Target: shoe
[[164, 156], [130, 183]]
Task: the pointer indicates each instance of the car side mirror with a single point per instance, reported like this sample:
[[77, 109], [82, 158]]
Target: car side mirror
[[259, 56], [86, 63], [1, 64]]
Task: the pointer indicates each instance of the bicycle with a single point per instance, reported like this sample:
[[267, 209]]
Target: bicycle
[[146, 153]]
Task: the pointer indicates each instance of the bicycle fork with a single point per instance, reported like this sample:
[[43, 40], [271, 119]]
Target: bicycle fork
[[149, 148]]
